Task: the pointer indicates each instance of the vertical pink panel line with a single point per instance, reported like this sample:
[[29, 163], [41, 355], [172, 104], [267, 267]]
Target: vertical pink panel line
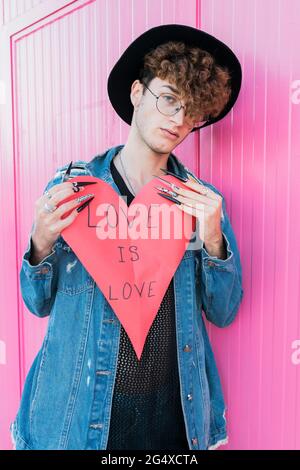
[[2, 18], [252, 207], [17, 241], [119, 50], [263, 242], [197, 134], [287, 261], [297, 413], [7, 10]]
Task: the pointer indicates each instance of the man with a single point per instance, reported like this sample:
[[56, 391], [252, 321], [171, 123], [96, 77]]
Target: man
[[86, 388]]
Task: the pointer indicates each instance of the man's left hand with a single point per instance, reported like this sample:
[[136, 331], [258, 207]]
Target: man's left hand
[[206, 205]]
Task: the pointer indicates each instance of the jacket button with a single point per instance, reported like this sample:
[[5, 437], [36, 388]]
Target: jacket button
[[102, 372], [194, 441], [190, 396], [96, 426], [187, 348]]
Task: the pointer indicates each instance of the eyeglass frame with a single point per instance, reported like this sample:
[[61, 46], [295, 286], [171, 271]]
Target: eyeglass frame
[[181, 105]]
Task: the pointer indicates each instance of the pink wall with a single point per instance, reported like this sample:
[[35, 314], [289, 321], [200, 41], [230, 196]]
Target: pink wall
[[54, 108]]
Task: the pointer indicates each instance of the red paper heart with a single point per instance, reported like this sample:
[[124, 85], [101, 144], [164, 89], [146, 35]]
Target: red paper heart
[[133, 274]]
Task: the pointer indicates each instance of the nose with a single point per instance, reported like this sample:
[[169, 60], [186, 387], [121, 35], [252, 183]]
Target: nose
[[179, 117]]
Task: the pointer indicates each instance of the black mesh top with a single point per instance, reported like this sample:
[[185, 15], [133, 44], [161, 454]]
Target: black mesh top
[[146, 409]]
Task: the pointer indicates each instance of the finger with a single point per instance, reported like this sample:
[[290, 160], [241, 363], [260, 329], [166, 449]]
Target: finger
[[202, 189], [58, 187], [59, 196], [196, 211], [197, 201], [198, 214], [185, 194], [63, 223], [65, 207], [61, 210]]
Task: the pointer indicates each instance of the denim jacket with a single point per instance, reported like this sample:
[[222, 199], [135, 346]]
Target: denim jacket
[[67, 396]]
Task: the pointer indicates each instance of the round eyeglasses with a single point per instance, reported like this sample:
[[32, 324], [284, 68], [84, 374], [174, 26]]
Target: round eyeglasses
[[169, 105]]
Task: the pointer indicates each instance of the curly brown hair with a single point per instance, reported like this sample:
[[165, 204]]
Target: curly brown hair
[[202, 83]]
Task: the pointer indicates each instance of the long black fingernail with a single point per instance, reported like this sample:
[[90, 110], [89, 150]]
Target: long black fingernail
[[67, 173], [181, 178], [83, 183], [169, 197], [86, 203]]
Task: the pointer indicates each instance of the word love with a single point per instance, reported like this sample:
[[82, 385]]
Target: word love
[[144, 289], [138, 221]]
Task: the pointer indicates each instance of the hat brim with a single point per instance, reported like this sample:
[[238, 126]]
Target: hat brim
[[126, 70]]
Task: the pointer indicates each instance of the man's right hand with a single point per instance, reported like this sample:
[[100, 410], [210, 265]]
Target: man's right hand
[[49, 225]]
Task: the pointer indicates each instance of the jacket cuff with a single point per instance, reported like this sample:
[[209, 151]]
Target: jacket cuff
[[44, 268], [209, 260]]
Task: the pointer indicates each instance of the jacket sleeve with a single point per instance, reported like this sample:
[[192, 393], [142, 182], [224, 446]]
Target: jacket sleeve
[[221, 280], [38, 283]]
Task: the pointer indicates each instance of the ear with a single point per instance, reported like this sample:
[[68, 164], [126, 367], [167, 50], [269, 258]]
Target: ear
[[136, 93]]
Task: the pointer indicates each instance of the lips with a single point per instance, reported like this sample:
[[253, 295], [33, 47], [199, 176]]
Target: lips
[[170, 132]]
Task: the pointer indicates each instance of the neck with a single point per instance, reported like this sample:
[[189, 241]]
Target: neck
[[140, 163]]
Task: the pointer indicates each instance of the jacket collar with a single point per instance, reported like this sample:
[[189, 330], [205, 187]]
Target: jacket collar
[[99, 166]]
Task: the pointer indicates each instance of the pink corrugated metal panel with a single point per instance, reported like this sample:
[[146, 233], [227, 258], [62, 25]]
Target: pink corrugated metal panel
[[14, 8], [252, 156]]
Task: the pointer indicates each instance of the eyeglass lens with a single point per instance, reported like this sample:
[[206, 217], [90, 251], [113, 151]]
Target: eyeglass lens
[[169, 105]]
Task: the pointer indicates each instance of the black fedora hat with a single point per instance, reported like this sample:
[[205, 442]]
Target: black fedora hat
[[126, 70]]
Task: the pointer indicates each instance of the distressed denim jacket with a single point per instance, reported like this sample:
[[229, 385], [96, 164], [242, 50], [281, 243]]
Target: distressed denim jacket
[[67, 396]]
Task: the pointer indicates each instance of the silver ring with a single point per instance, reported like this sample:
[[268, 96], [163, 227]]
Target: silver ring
[[49, 196], [48, 208]]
